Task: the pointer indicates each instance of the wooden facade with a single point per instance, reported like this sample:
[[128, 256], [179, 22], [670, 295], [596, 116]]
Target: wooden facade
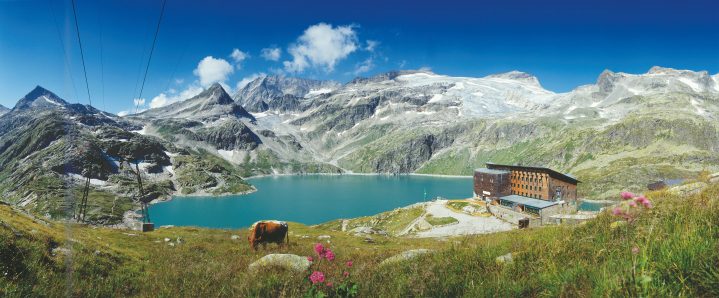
[[532, 182], [492, 183]]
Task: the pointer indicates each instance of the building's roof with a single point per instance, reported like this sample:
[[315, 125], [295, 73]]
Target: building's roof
[[491, 171], [541, 204], [552, 173]]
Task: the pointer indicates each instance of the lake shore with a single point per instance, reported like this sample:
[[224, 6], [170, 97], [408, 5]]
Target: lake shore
[[356, 174], [293, 196]]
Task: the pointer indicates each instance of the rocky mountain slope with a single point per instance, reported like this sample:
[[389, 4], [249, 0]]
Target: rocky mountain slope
[[661, 124], [49, 147], [279, 92], [3, 110], [622, 132], [212, 104]]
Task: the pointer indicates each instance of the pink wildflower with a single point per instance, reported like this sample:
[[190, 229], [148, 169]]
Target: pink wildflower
[[310, 259], [635, 250], [349, 263], [627, 195], [346, 274], [329, 284], [647, 204], [329, 255], [632, 203], [319, 249], [617, 211], [317, 277]]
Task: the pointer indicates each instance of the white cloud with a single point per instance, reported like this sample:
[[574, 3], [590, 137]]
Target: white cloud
[[271, 54], [246, 80], [167, 98], [159, 101], [371, 45], [123, 113], [364, 66], [239, 56], [138, 102], [211, 70], [321, 45]]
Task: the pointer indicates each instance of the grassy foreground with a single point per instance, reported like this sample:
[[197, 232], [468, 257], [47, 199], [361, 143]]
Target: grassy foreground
[[676, 253]]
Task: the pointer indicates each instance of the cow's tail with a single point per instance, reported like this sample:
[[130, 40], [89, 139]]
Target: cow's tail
[[287, 239]]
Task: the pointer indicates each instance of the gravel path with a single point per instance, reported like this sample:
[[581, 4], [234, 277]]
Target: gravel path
[[467, 225]]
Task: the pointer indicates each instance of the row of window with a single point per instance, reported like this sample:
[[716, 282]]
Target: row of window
[[528, 179], [529, 195], [529, 187]]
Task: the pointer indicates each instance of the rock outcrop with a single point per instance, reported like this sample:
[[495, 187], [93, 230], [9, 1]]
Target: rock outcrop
[[406, 255], [286, 261]]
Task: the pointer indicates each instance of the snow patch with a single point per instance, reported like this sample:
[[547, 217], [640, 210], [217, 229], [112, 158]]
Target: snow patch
[[570, 109], [260, 115], [691, 84], [142, 131], [95, 182], [697, 107], [51, 101], [226, 154], [318, 92], [436, 98], [169, 169]]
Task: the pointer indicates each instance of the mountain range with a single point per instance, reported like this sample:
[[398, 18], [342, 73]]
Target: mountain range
[[624, 130]]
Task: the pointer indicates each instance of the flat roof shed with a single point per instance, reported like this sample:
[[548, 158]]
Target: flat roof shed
[[529, 202]]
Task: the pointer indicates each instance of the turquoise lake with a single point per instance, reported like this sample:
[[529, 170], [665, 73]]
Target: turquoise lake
[[308, 199]]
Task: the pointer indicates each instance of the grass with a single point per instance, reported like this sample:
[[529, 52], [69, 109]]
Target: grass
[[202, 170], [393, 222], [677, 241], [440, 221]]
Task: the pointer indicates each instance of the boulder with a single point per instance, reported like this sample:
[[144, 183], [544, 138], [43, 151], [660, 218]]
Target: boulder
[[714, 178], [235, 237], [504, 259], [61, 251], [422, 225], [688, 189], [323, 237], [406, 255], [287, 261], [361, 231]]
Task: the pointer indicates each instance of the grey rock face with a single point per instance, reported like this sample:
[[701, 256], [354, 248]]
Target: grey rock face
[[410, 155], [285, 103], [210, 105], [230, 135], [259, 95], [40, 98]]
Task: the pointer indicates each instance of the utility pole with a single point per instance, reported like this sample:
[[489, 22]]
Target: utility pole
[[147, 225]]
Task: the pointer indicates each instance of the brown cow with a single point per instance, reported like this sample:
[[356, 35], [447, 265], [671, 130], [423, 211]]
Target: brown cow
[[268, 232]]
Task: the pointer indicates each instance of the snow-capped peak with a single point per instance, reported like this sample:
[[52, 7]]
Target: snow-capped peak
[[517, 76], [40, 97]]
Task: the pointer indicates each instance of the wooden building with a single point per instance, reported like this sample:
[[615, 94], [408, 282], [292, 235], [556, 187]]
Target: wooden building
[[497, 180], [489, 183]]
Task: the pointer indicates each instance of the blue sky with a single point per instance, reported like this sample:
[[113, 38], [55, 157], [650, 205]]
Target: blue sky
[[563, 43]]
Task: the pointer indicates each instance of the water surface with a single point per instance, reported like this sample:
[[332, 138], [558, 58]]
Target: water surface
[[309, 199]]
